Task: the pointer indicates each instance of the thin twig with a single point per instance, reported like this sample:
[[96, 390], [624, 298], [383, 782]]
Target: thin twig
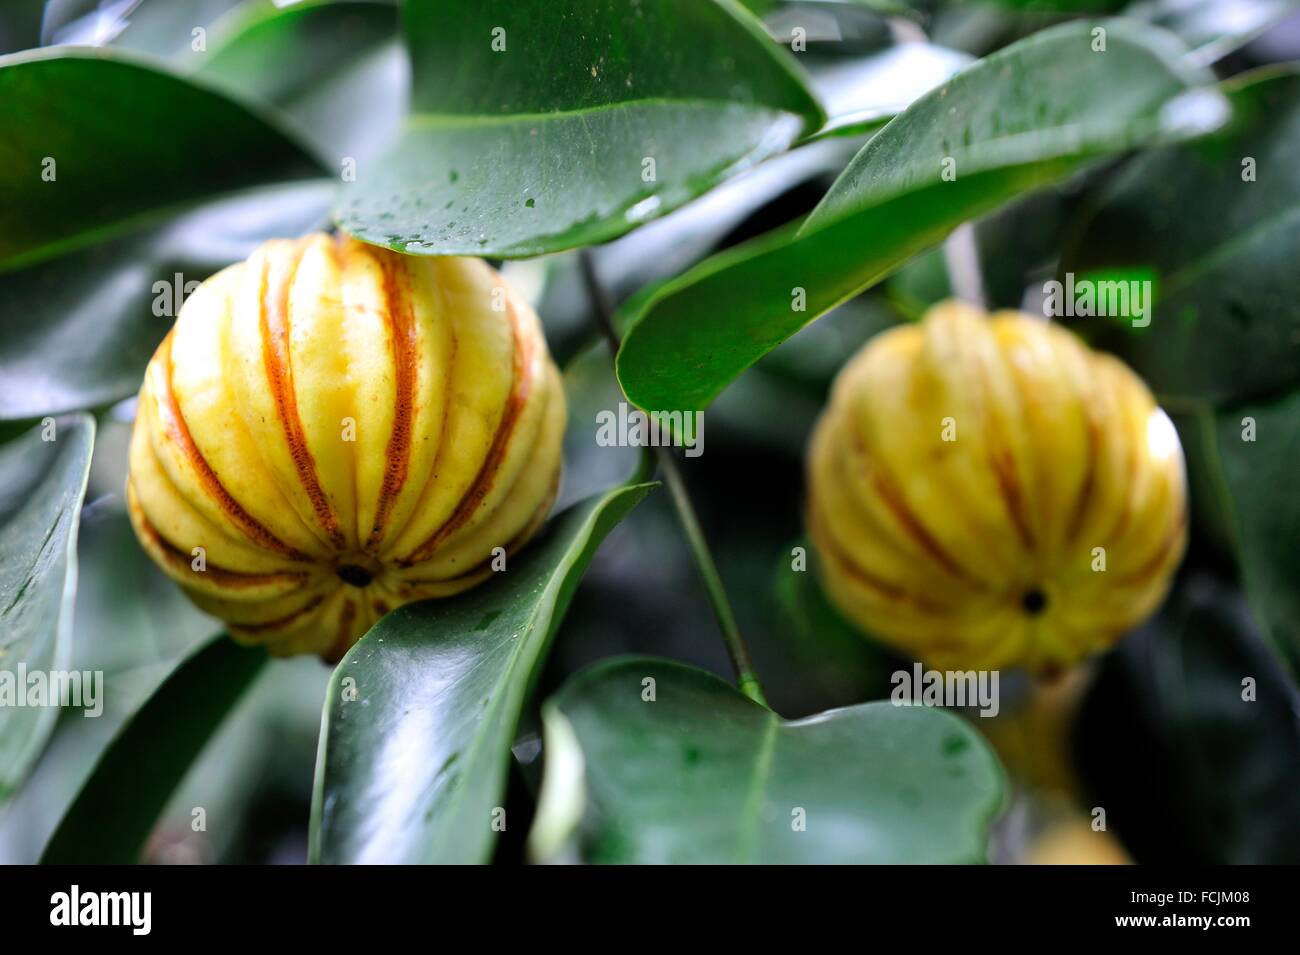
[[746, 678], [962, 256]]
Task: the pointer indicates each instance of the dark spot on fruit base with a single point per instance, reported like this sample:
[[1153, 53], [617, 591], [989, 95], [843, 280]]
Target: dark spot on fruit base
[[355, 575]]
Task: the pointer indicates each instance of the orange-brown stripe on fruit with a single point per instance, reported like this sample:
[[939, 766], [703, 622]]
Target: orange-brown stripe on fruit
[[511, 547], [1170, 542], [220, 576], [520, 387], [912, 526], [399, 317], [173, 422], [879, 588], [1089, 480], [277, 282], [1008, 485]]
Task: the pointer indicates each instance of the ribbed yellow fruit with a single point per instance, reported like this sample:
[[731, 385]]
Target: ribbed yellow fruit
[[332, 429], [986, 491]]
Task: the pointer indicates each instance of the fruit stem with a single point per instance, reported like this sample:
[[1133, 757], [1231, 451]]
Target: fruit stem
[[961, 254], [746, 678]]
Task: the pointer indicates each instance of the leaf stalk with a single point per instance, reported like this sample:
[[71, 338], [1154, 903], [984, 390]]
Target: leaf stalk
[[746, 677]]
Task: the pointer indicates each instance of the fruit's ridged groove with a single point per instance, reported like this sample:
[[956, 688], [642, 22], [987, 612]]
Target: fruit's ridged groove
[[988, 492], [332, 429]]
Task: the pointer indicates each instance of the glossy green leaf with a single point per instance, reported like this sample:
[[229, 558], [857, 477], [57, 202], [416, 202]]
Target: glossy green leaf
[[148, 758], [1226, 286], [669, 245], [129, 621], [335, 67], [129, 614], [97, 142], [1023, 117], [42, 482], [920, 284], [1019, 250], [778, 402], [536, 128], [77, 330], [1259, 448], [702, 774], [421, 713]]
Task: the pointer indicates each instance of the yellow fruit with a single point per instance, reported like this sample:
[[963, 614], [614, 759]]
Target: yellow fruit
[[1073, 841], [972, 476], [332, 429]]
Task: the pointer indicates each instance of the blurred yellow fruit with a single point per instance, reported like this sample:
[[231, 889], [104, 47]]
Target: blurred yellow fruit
[[985, 491], [1073, 841], [332, 429]]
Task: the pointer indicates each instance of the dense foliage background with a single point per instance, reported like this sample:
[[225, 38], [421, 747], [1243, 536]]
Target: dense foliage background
[[187, 132]]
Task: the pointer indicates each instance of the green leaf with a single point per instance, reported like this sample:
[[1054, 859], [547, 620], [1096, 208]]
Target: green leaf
[[778, 402], [421, 713], [1225, 323], [77, 330], [670, 245], [545, 144], [127, 144], [920, 284], [1023, 117], [1258, 458], [334, 66], [1019, 250], [42, 483], [129, 614], [150, 755], [702, 774], [129, 621]]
